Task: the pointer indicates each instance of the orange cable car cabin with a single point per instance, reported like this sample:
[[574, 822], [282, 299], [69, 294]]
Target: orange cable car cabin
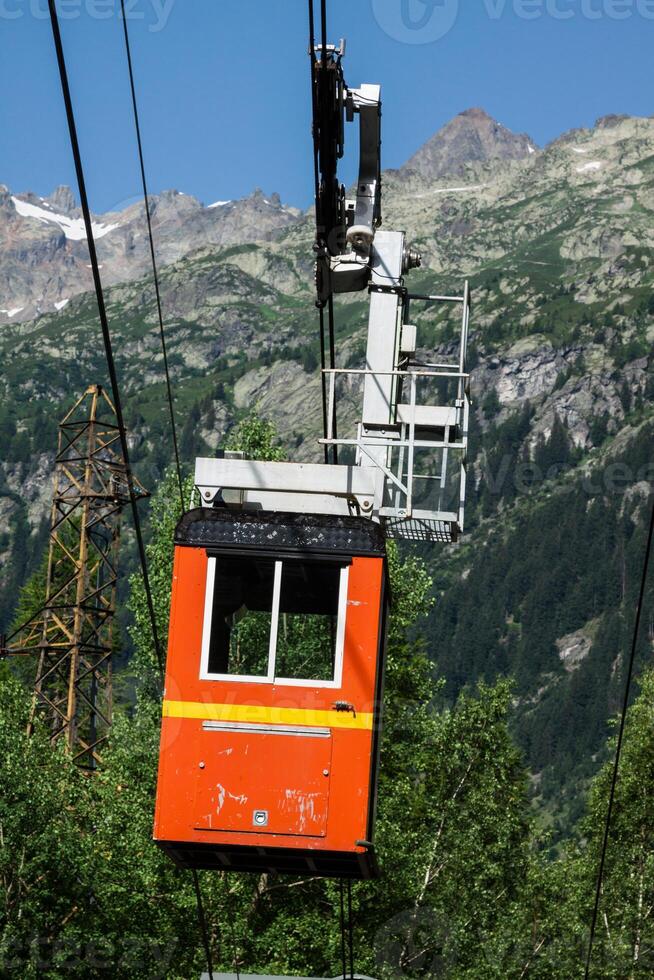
[[272, 705], [271, 715]]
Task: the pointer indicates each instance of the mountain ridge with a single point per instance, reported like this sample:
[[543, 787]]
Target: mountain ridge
[[43, 258]]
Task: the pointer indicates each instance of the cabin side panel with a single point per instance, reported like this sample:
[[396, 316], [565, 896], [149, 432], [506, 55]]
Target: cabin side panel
[[213, 731]]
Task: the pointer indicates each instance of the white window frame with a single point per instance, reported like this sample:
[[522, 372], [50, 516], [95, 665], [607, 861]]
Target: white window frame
[[269, 677]]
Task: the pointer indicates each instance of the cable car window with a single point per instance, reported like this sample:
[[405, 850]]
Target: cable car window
[[308, 621], [241, 616], [265, 619]]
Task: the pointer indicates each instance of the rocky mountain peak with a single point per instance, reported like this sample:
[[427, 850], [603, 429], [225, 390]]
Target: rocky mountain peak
[[173, 204], [259, 197], [475, 113], [179, 198], [611, 121], [62, 200], [471, 137]]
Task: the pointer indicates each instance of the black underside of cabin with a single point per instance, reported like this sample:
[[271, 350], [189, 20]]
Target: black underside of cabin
[[284, 860]]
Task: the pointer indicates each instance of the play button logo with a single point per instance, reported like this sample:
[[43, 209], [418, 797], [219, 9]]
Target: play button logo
[[416, 21]]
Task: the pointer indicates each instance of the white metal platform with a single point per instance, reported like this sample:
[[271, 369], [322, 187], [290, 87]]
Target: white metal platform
[[406, 446]]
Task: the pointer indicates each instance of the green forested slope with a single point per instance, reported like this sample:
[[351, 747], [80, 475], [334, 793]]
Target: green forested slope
[[467, 891], [546, 594], [561, 261]]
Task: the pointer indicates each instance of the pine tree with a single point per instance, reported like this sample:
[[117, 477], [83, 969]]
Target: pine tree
[[559, 445], [190, 439], [626, 397]]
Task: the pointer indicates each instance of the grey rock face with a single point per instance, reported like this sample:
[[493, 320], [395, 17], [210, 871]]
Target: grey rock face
[[62, 200], [44, 257], [574, 648]]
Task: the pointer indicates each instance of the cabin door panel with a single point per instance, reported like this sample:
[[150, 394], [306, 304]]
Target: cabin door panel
[[263, 780]]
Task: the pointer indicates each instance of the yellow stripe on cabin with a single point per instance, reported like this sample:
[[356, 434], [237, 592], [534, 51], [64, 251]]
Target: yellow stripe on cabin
[[260, 714]]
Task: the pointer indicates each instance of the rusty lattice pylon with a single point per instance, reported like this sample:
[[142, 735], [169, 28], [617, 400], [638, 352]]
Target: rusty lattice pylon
[[72, 635]]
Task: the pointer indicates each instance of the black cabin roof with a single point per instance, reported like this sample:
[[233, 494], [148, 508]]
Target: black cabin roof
[[218, 530]]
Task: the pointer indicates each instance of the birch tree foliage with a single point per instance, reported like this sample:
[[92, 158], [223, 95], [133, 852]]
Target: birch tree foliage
[[452, 833], [624, 944]]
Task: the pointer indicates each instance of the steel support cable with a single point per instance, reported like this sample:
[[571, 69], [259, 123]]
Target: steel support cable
[[618, 748], [332, 365], [323, 28], [314, 104], [319, 243], [323, 365], [155, 273], [342, 904], [330, 302], [104, 323], [237, 969], [347, 942], [350, 925], [162, 333], [203, 923]]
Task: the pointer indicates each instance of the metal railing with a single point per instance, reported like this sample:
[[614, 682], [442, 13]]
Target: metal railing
[[406, 439], [414, 433]]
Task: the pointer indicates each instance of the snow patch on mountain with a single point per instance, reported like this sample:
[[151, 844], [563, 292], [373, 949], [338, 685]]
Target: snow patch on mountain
[[453, 190], [73, 228]]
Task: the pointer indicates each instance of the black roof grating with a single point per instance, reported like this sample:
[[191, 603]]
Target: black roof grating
[[219, 529]]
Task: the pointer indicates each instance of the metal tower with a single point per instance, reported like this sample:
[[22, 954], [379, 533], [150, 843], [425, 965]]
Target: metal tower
[[73, 633]]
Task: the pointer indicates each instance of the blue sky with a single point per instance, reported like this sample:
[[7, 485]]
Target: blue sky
[[224, 83]]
